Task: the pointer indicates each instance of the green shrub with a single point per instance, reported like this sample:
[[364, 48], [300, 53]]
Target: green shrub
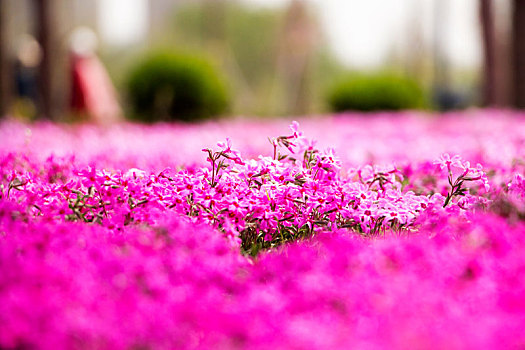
[[375, 92], [169, 86]]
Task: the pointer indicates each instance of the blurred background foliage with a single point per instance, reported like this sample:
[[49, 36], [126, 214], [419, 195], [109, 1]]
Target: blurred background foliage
[[295, 57], [169, 85], [244, 41], [276, 59], [376, 92], [278, 62]]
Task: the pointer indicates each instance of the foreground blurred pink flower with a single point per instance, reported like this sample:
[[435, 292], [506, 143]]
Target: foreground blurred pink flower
[[146, 243]]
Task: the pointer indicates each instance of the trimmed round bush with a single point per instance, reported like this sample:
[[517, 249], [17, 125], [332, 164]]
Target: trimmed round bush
[[375, 92], [176, 86]]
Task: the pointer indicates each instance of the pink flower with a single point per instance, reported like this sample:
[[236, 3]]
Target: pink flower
[[295, 129], [446, 162]]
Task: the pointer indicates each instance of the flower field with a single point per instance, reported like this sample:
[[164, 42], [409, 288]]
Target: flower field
[[353, 231]]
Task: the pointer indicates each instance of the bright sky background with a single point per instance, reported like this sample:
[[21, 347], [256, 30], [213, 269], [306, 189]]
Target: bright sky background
[[122, 22], [363, 32]]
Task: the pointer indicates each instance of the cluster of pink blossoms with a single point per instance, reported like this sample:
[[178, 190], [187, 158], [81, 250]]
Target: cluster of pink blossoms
[[415, 253], [262, 202]]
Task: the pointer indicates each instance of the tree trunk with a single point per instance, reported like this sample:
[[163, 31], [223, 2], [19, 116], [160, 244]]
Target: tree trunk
[[214, 22], [6, 78], [298, 43], [441, 69], [54, 65], [518, 48], [489, 69], [44, 30]]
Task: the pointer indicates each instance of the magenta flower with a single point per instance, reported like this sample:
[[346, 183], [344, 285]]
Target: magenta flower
[[130, 244]]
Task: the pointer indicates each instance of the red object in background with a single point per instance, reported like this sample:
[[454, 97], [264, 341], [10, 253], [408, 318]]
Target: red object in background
[[93, 92]]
